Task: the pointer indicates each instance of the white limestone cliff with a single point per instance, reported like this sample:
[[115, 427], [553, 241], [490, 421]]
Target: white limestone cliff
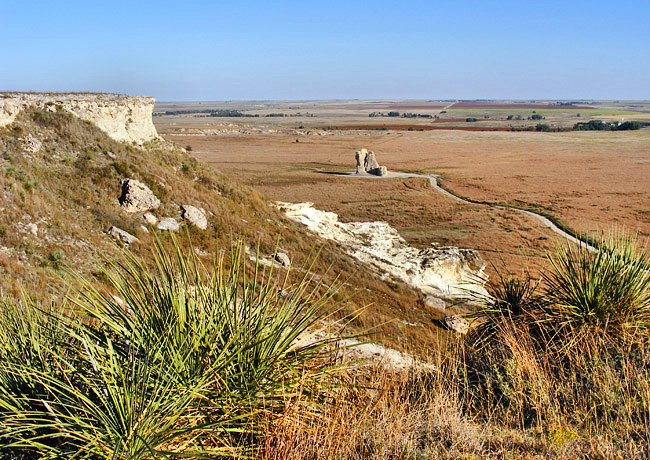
[[124, 118], [446, 272]]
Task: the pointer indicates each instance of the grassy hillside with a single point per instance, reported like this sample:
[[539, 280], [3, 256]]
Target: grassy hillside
[[70, 190]]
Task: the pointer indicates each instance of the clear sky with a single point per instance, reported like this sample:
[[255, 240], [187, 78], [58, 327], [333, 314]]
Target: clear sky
[[225, 50]]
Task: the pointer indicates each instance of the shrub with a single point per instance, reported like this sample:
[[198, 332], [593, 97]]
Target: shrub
[[542, 127], [608, 289], [471, 120]]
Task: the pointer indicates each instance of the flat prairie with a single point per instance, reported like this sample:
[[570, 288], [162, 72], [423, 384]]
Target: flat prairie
[[590, 181]]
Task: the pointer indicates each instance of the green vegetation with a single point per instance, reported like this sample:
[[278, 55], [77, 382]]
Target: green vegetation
[[181, 360], [471, 120], [599, 125]]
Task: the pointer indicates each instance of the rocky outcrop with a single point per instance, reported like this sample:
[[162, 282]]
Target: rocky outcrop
[[168, 223], [367, 163], [122, 235], [194, 216], [447, 272], [124, 118], [137, 197], [282, 259]]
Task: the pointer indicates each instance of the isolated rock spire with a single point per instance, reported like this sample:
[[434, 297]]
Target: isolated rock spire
[[367, 163]]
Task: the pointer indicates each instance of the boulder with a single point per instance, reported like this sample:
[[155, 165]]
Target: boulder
[[137, 197], [457, 324], [282, 259], [380, 171], [121, 235], [194, 216], [436, 303], [32, 145], [150, 218], [168, 223]]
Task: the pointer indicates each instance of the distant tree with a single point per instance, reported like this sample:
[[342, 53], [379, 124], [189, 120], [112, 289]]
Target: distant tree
[[393, 114], [536, 116], [471, 120], [543, 127]]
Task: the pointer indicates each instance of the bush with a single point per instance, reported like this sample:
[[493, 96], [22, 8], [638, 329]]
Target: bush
[[543, 128], [605, 290], [471, 120]]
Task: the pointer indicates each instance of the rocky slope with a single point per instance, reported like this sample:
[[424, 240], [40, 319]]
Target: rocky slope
[[123, 118]]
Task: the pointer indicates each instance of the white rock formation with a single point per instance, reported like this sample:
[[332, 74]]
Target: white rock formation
[[124, 118], [194, 216], [168, 223], [367, 163], [442, 272], [121, 235], [282, 259], [457, 324], [150, 218], [137, 197], [31, 144]]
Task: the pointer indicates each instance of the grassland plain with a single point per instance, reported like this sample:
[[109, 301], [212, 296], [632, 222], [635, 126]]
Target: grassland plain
[[589, 181]]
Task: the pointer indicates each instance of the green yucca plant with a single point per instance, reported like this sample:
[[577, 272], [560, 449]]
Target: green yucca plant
[[510, 301], [178, 360], [606, 288]]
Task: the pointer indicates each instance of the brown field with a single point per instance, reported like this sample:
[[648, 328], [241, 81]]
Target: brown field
[[591, 181], [492, 105]]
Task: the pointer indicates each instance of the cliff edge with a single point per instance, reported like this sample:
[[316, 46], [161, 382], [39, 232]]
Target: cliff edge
[[123, 118]]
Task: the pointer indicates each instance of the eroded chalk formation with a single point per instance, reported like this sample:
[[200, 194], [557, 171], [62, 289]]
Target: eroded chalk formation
[[367, 163], [443, 272], [124, 118]]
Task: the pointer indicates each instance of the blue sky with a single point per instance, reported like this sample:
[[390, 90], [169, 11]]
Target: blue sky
[[225, 50]]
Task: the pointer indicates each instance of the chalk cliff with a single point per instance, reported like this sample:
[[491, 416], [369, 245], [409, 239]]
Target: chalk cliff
[[124, 118]]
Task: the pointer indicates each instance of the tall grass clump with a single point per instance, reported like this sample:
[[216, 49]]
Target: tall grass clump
[[571, 355], [175, 360]]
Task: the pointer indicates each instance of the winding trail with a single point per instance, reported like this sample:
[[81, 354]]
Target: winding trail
[[433, 181]]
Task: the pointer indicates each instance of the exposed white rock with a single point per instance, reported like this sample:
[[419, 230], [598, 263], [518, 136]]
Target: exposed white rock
[[168, 223], [33, 229], [195, 216], [457, 324], [124, 118], [282, 259], [121, 235], [435, 303], [137, 197], [442, 272], [367, 163], [31, 144], [150, 218]]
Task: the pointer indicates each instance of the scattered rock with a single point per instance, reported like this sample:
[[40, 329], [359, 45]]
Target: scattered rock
[[367, 163], [457, 324], [137, 197], [194, 216], [150, 218], [435, 303], [144, 229], [33, 229], [111, 155], [32, 144], [121, 235], [282, 259], [168, 223]]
